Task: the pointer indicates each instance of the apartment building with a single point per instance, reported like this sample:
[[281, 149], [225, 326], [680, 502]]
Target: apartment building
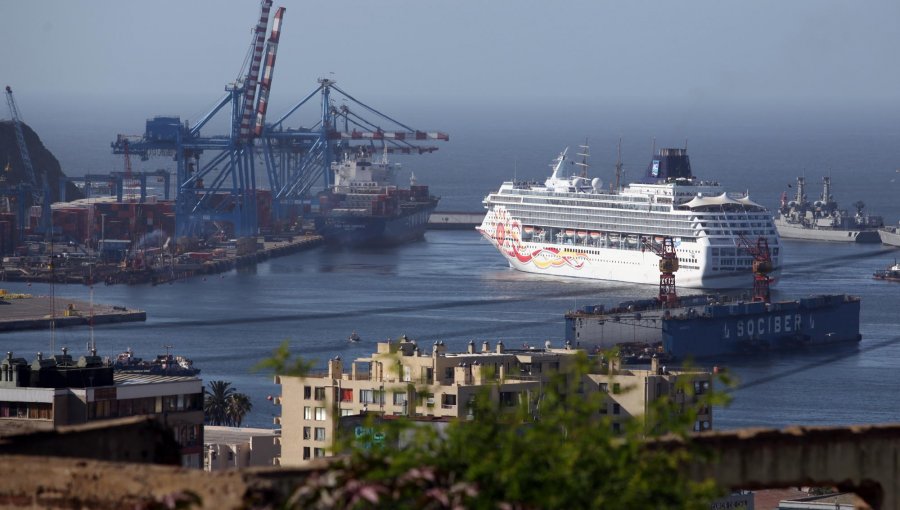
[[238, 447], [399, 379], [57, 390]]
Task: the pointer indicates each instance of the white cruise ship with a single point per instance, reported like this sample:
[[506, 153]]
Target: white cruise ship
[[570, 226]]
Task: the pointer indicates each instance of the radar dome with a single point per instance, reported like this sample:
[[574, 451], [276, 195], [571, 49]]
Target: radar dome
[[596, 183]]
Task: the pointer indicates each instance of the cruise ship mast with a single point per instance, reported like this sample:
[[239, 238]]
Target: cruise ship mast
[[585, 154]]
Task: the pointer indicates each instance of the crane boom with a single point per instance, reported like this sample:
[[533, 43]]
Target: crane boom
[[259, 38], [20, 139], [265, 84]]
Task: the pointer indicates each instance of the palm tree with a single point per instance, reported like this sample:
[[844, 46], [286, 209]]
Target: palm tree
[[215, 404], [238, 407]]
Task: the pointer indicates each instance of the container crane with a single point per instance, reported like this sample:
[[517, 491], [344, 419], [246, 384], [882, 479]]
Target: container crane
[[762, 266], [298, 158], [40, 195], [668, 265], [222, 187]]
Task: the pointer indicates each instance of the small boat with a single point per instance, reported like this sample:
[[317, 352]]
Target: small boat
[[892, 273], [595, 235], [164, 364], [582, 234], [570, 233], [529, 229], [354, 337], [614, 238]]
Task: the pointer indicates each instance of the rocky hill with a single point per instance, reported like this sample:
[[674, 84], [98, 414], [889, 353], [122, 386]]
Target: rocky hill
[[44, 162]]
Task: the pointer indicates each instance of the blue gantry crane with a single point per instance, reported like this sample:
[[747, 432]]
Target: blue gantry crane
[[297, 159], [216, 175], [40, 192]]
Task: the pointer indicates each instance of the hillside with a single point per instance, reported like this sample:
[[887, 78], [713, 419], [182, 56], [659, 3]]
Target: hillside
[[43, 161]]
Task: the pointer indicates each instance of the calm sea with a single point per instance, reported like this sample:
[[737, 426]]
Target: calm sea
[[454, 287]]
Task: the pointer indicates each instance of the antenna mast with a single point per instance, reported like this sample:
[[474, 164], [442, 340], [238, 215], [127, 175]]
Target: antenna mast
[[618, 163], [585, 153]]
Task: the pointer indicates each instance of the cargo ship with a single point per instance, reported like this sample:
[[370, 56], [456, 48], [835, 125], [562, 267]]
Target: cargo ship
[[822, 220], [164, 364], [570, 226], [717, 327], [366, 208]]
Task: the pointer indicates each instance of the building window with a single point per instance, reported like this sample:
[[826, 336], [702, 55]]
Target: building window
[[320, 414], [307, 392], [508, 399], [318, 452], [617, 428], [320, 393], [346, 395], [307, 413], [230, 456], [306, 433], [448, 401], [320, 433], [604, 387], [347, 412], [449, 374], [399, 398], [306, 453], [371, 397], [604, 409], [617, 409], [617, 388]]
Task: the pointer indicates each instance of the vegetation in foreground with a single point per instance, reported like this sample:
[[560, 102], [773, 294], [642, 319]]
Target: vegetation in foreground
[[556, 451]]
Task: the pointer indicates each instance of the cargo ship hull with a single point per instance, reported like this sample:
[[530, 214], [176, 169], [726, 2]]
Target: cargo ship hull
[[374, 231], [699, 330]]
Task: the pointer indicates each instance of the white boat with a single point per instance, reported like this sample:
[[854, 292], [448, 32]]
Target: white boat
[[890, 236], [705, 222]]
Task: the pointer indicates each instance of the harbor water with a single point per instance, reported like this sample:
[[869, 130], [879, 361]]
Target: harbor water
[[453, 286]]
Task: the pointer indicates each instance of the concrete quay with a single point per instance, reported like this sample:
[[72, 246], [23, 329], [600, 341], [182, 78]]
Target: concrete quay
[[19, 312]]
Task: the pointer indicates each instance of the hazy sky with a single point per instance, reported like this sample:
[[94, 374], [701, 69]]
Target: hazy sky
[[709, 54]]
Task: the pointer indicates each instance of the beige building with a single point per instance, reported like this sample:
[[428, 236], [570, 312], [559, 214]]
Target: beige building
[[58, 390], [402, 380], [238, 447]]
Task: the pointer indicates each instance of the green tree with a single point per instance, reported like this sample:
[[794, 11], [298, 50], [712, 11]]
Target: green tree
[[555, 451], [237, 407], [215, 404]]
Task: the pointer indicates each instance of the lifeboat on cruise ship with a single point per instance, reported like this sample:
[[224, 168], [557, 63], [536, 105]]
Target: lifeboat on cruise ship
[[595, 235], [659, 239], [632, 239], [529, 229], [582, 234], [613, 238], [570, 233]]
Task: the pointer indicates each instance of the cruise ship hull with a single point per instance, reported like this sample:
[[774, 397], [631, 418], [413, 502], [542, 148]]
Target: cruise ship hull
[[796, 231], [631, 266]]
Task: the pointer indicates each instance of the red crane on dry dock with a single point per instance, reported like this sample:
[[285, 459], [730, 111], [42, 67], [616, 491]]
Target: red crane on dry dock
[[762, 266], [668, 265]]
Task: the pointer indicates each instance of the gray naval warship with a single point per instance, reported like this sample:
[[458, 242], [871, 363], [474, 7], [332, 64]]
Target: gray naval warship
[[822, 220], [890, 235]]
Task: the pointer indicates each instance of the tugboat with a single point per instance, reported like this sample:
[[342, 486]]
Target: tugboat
[[892, 273], [164, 364], [366, 208], [823, 221], [354, 337]]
